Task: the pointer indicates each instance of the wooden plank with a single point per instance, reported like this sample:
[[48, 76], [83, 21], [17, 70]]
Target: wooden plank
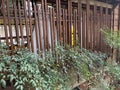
[[16, 23], [94, 27], [79, 22], [21, 26], [87, 24], [61, 28], [26, 25], [76, 28], [10, 27], [83, 29], [39, 27], [106, 27], [14, 37], [104, 45], [5, 25], [70, 20], [54, 29], [0, 39], [30, 12], [94, 2], [58, 20], [64, 25], [51, 30], [44, 23], [98, 32], [13, 21], [36, 27], [91, 29], [101, 26], [106, 22]]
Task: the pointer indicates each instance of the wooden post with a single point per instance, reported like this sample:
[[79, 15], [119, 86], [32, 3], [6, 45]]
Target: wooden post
[[79, 21], [87, 24], [115, 27], [69, 20]]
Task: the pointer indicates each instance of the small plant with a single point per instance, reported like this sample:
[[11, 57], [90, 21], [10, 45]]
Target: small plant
[[20, 69], [112, 82], [50, 70], [112, 38]]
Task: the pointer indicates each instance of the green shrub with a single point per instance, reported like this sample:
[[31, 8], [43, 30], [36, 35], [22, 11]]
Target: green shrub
[[50, 70]]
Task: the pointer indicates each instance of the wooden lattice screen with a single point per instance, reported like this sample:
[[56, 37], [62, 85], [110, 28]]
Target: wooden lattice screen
[[39, 26]]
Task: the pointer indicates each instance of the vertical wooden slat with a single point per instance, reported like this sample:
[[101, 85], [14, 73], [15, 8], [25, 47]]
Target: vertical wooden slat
[[106, 23], [26, 25], [94, 27], [98, 32], [79, 21], [75, 31], [91, 29], [111, 24], [16, 23], [0, 39], [90, 46], [70, 20], [57, 25], [44, 23], [104, 26], [60, 26], [51, 29], [101, 25], [39, 26], [54, 29], [30, 25], [58, 17], [74, 27], [63, 11], [83, 29], [87, 23], [10, 26], [21, 26], [36, 26], [4, 22], [66, 26]]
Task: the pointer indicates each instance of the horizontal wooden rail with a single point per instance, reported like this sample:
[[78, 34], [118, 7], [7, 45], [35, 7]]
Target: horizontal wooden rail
[[97, 3], [14, 37], [12, 20]]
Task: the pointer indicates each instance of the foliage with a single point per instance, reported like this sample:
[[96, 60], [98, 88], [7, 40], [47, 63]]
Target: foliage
[[112, 38], [50, 70], [65, 59], [21, 68], [115, 75]]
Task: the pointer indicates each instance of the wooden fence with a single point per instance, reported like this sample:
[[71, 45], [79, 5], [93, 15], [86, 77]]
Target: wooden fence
[[39, 26]]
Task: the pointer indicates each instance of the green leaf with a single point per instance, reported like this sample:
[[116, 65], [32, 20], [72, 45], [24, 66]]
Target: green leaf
[[3, 83], [11, 77], [20, 87]]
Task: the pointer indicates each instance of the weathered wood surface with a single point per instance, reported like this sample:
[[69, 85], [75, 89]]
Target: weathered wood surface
[[78, 23]]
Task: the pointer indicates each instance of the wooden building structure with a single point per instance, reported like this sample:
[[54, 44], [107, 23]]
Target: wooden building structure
[[40, 24]]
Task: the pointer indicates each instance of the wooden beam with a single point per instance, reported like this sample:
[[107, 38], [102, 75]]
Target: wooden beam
[[97, 3]]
